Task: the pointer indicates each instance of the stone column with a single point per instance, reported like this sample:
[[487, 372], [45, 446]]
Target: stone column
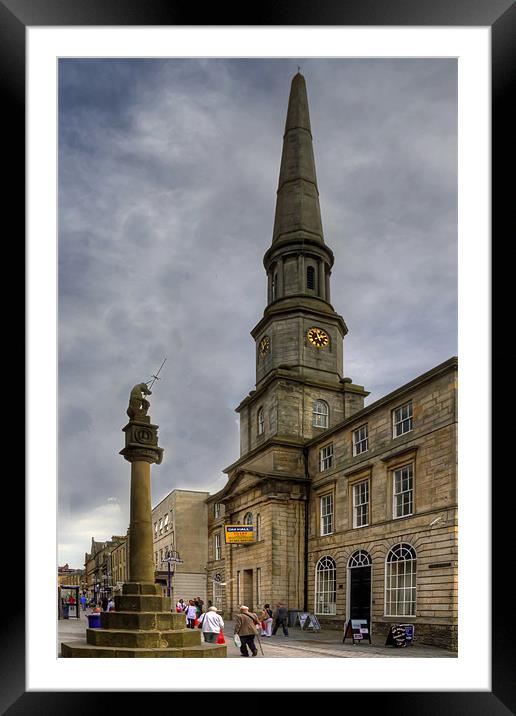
[[301, 272], [280, 278], [141, 450], [322, 282]]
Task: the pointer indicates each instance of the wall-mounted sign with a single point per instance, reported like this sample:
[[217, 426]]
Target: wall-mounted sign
[[239, 534]]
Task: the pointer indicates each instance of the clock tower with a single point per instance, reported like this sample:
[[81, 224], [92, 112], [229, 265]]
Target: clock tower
[[300, 384]]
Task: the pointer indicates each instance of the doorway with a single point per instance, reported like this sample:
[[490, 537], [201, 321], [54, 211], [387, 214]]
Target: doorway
[[359, 571], [247, 591]]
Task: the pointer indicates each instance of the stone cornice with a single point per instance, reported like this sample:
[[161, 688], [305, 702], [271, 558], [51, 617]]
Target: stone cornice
[[282, 374], [302, 306], [446, 367]]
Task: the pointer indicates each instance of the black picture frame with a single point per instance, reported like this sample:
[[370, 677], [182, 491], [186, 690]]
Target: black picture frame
[[500, 16]]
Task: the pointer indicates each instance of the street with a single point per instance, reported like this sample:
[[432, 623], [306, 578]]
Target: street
[[299, 644]]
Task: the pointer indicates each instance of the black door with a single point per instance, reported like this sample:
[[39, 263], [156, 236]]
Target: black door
[[360, 593]]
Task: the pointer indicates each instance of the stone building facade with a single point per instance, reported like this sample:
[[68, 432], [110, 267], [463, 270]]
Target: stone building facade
[[98, 567], [354, 508], [120, 564], [180, 523]]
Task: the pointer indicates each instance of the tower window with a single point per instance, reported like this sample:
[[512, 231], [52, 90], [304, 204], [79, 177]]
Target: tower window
[[274, 286], [310, 277], [320, 414], [261, 422]]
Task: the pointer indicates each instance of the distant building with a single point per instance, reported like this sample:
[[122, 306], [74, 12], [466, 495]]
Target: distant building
[[69, 576], [120, 564], [98, 567], [180, 525]]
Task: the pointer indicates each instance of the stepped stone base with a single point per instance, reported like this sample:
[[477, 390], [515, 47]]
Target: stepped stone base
[[82, 650], [142, 627]]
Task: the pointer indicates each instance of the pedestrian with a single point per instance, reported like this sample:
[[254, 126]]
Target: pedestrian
[[111, 605], [245, 627], [83, 602], [281, 619], [105, 602], [191, 614], [266, 619], [198, 605], [211, 624], [180, 606]]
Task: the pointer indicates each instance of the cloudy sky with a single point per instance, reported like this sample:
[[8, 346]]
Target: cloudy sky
[[168, 172]]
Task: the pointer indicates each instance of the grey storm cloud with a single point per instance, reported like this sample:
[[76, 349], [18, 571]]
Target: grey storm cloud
[[168, 172]]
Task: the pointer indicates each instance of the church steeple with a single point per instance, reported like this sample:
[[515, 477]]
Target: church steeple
[[298, 263], [297, 207], [299, 339]]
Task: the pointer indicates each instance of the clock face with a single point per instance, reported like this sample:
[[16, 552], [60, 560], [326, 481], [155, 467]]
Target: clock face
[[265, 344], [318, 337]]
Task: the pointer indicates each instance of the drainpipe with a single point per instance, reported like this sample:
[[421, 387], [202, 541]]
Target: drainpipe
[[307, 500]]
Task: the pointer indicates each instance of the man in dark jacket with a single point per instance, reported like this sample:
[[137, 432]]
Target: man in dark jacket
[[245, 627], [281, 619]]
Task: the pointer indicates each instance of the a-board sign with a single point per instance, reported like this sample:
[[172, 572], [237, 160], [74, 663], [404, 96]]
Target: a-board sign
[[307, 620], [400, 635], [239, 534], [357, 630], [302, 616]]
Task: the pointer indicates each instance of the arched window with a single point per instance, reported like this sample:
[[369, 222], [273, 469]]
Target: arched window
[[400, 581], [248, 519], [261, 422], [360, 558], [320, 413], [310, 277], [326, 586]]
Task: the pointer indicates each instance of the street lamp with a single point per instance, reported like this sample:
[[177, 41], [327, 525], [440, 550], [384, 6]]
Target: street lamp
[[171, 557]]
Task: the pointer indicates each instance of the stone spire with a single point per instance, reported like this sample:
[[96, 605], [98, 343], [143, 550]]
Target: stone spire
[[298, 215]]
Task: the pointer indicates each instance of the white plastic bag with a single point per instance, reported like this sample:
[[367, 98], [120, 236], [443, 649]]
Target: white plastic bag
[[237, 641]]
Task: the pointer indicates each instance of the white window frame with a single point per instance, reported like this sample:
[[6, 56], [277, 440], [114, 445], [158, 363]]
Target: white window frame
[[326, 585], [217, 510], [360, 502], [161, 525], [261, 422], [217, 595], [320, 414], [165, 522], [326, 457], [361, 440], [409, 491], [248, 518], [402, 570], [155, 530], [402, 419], [218, 546], [327, 514]]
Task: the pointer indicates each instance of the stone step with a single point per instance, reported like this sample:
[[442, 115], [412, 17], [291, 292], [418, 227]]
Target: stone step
[[142, 620], [142, 603], [82, 650], [149, 639]]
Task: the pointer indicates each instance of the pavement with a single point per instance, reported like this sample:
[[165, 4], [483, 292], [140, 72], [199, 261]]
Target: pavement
[[299, 644]]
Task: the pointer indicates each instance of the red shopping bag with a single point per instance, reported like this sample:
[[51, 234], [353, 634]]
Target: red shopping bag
[[220, 638], [196, 623]]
